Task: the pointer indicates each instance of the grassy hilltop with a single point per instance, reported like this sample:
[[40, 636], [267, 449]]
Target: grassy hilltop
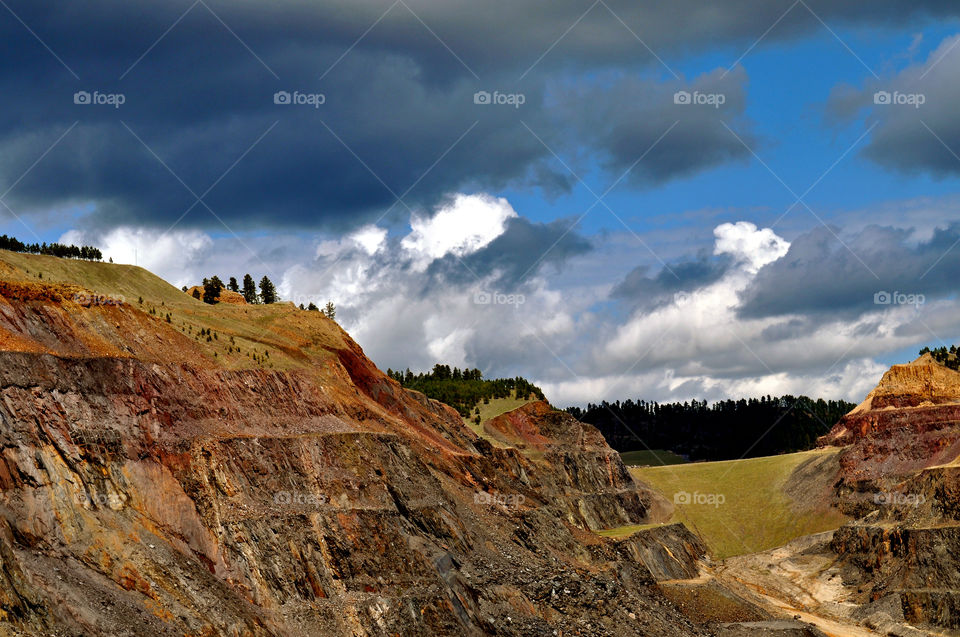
[[274, 336]]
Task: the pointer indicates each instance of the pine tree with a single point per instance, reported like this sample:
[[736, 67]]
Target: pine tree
[[330, 310], [232, 285], [249, 289], [268, 292], [211, 290]]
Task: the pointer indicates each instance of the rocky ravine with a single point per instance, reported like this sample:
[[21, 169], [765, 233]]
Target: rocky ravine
[[147, 489]]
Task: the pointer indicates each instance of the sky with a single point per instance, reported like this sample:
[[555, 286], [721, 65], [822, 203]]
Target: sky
[[614, 199]]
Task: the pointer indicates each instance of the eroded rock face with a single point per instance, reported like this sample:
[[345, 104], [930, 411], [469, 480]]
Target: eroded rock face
[[910, 421], [146, 494], [899, 475]]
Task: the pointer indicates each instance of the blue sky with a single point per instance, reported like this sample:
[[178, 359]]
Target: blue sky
[[790, 84]]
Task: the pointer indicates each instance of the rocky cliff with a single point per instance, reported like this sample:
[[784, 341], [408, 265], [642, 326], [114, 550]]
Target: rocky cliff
[[900, 476], [910, 421], [173, 468]]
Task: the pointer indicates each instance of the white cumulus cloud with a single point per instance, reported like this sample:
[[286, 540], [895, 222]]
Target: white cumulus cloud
[[461, 227]]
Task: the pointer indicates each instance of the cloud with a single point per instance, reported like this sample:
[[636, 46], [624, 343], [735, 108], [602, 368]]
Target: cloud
[[521, 251], [913, 112], [824, 276], [650, 132], [398, 117], [649, 291], [460, 227], [172, 253], [569, 335], [749, 246], [707, 343], [370, 238]]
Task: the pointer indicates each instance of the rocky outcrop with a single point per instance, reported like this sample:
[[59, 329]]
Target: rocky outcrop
[[148, 489], [225, 296], [909, 422], [899, 476]]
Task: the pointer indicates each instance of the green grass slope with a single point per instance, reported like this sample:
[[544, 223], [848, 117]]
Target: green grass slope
[[119, 281], [745, 506], [492, 409]]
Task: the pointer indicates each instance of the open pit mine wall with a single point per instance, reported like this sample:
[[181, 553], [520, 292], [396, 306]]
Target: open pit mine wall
[[899, 478], [163, 499]]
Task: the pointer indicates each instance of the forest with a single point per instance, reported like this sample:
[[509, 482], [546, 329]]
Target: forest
[[88, 253], [464, 389], [724, 430]]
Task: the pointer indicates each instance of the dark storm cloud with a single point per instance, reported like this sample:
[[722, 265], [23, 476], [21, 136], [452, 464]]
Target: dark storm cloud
[[662, 130], [201, 99], [913, 114], [522, 250], [649, 291], [821, 278]]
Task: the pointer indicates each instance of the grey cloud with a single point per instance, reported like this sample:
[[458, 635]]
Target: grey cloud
[[822, 278], [649, 291], [915, 124], [648, 127], [524, 248], [399, 100]]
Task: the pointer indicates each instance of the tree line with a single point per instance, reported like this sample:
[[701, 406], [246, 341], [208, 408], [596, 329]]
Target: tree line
[[213, 286], [87, 253], [946, 357], [725, 430], [464, 389]]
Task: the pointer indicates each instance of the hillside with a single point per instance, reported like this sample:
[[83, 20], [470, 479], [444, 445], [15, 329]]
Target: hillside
[[246, 470], [760, 503], [152, 482], [279, 335]]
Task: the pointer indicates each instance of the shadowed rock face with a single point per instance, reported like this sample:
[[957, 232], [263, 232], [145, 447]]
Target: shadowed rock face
[[147, 491]]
